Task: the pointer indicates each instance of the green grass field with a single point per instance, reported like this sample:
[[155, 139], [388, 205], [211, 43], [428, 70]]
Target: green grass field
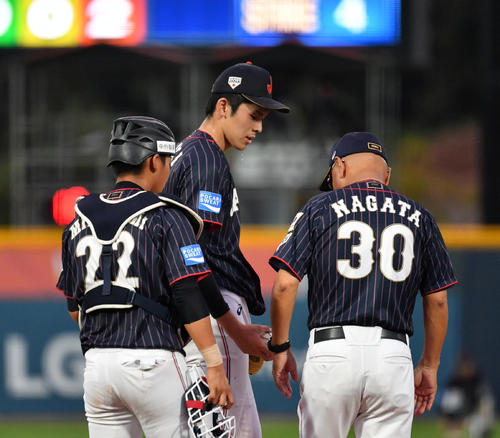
[[271, 429]]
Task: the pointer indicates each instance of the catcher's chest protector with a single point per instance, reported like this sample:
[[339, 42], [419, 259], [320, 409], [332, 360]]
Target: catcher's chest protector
[[107, 215]]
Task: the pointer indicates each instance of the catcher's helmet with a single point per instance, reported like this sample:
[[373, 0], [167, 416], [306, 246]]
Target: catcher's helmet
[[206, 420], [135, 138]]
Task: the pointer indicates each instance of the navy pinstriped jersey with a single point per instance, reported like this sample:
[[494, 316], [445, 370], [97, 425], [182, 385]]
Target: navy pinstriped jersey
[[151, 254], [201, 178], [367, 251]]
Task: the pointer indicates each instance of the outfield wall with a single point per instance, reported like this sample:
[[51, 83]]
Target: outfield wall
[[40, 358]]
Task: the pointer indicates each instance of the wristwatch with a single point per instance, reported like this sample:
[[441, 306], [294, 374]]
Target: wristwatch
[[278, 348]]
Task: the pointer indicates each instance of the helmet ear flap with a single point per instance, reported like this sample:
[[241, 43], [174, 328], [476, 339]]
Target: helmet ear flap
[[205, 419]]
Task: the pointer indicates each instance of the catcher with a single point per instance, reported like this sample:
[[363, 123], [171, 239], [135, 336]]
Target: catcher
[[131, 265]]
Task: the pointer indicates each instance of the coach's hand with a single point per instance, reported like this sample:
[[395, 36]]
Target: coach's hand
[[220, 391], [425, 388], [284, 364]]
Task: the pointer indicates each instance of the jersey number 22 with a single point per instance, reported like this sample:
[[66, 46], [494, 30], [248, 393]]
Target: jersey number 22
[[127, 243]]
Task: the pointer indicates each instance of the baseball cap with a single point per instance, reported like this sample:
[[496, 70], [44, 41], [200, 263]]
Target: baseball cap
[[254, 83], [352, 143]]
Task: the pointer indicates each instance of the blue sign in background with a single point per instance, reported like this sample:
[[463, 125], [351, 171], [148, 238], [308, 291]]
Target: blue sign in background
[[195, 23], [41, 364], [338, 23], [204, 23]]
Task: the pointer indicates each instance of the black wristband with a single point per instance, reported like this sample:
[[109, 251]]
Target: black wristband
[[278, 348]]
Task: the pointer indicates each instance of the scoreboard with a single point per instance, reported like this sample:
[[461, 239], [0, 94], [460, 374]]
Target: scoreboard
[[69, 23]]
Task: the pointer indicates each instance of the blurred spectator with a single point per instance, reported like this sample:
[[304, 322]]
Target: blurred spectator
[[467, 405]]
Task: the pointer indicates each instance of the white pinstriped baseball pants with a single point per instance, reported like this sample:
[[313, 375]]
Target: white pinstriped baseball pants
[[362, 381], [235, 362], [131, 391]]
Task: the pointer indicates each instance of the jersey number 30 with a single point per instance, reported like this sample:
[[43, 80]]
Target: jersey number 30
[[386, 251], [127, 243]]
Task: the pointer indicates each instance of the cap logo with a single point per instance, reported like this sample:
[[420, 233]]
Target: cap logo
[[234, 81], [270, 85], [165, 147], [375, 147]]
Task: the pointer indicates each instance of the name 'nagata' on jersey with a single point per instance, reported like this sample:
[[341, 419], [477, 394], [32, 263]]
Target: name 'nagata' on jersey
[[371, 204]]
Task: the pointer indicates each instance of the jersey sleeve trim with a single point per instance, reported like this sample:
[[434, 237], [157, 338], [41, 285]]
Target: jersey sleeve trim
[[190, 275], [441, 288], [64, 293], [213, 223], [202, 276], [290, 269]]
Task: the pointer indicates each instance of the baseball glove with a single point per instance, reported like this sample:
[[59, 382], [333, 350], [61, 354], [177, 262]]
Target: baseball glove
[[254, 364]]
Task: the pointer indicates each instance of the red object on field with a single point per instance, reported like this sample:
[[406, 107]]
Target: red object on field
[[63, 204]]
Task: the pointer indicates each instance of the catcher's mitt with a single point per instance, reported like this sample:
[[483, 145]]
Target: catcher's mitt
[[254, 364]]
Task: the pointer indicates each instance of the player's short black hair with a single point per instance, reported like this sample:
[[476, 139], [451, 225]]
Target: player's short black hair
[[235, 100], [118, 168]]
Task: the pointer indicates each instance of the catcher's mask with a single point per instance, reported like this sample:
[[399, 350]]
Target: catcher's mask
[[205, 419]]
